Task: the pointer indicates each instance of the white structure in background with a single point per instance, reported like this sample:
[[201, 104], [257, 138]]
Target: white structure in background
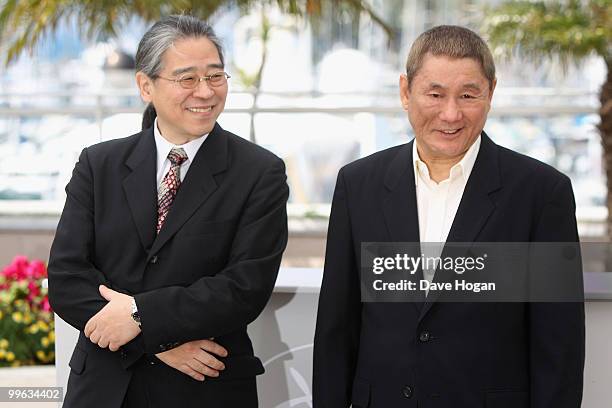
[[120, 125], [288, 66], [347, 70]]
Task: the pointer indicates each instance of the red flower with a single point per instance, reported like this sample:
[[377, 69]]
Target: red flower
[[45, 304], [28, 275], [36, 270], [33, 291], [17, 270], [10, 272]]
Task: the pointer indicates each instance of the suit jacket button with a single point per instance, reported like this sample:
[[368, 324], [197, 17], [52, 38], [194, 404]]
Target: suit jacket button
[[154, 259], [123, 354], [407, 391], [424, 337]]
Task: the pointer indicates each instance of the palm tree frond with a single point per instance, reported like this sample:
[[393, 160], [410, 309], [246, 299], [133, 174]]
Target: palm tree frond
[[23, 23], [568, 30]]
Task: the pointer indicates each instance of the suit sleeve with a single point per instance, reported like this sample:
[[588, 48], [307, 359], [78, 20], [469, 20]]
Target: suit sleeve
[[336, 341], [557, 331], [73, 278], [234, 297]]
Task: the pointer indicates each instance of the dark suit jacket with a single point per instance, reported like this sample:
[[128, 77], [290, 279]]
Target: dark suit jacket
[[459, 355], [208, 273]]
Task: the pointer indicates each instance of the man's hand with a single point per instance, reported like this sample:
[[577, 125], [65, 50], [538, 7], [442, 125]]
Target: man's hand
[[112, 326], [195, 358]]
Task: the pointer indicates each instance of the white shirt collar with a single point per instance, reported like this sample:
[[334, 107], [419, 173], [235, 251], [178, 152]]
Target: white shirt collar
[[463, 168], [164, 146]]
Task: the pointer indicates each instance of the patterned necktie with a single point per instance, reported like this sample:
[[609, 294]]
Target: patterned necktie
[[169, 185]]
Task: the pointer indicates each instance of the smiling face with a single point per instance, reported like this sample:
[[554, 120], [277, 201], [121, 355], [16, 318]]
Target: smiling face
[[447, 105], [185, 114]]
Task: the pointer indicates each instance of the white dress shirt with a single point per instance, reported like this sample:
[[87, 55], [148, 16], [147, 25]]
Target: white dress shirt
[[437, 203], [164, 147]]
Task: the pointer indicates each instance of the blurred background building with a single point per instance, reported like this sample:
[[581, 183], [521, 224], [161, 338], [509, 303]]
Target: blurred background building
[[327, 95]]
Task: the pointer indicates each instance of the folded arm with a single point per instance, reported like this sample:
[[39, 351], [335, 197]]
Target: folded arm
[[219, 304]]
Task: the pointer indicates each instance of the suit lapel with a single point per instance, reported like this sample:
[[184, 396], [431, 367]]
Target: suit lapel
[[474, 209], [400, 204], [197, 186], [476, 205], [140, 189]]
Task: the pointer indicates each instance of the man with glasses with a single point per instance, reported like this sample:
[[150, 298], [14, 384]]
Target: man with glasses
[[170, 241]]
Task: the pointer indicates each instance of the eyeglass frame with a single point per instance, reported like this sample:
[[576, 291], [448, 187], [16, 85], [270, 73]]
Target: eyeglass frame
[[206, 78]]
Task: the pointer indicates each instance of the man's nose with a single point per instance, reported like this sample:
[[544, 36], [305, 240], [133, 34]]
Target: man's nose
[[203, 89], [450, 111]]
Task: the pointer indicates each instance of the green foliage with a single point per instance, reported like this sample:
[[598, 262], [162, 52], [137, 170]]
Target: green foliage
[[568, 30], [27, 329], [28, 335], [24, 23]]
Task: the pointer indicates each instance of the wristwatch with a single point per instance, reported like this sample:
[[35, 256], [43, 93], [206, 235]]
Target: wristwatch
[[135, 314]]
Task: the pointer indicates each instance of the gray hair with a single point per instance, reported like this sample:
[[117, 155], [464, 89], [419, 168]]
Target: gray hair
[[164, 33], [159, 38], [454, 42]]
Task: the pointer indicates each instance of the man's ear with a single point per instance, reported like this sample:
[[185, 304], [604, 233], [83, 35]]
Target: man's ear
[[145, 85], [404, 91], [492, 89]]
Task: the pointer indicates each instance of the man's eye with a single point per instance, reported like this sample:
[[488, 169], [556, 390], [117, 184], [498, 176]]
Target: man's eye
[[467, 96], [434, 95], [217, 78], [187, 80]]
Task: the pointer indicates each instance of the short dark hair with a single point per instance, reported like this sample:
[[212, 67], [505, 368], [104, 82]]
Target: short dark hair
[[450, 41]]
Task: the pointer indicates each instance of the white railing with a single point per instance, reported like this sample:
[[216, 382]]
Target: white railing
[[508, 102]]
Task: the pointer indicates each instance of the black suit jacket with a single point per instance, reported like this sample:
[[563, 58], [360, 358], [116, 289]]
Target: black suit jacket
[[459, 355], [208, 273]]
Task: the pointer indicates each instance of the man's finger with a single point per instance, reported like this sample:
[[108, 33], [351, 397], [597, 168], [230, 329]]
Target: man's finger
[[209, 360], [105, 292], [94, 337], [213, 348], [90, 327], [202, 368], [191, 372]]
